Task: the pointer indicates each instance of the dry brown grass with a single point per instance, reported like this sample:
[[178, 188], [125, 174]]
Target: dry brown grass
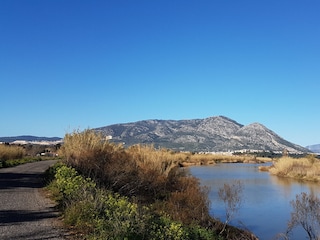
[[189, 203], [264, 168], [140, 172], [8, 152], [307, 168], [207, 159], [162, 160], [87, 149]]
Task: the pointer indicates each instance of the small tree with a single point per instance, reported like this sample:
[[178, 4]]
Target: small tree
[[231, 195], [306, 213]]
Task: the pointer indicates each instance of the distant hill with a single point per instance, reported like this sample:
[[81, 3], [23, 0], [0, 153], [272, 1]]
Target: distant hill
[[213, 134], [29, 139], [314, 148]]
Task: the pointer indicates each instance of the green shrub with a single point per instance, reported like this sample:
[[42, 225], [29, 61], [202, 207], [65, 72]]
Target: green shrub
[[199, 233], [103, 214], [51, 172], [70, 184], [141, 172], [163, 228], [95, 210], [81, 215], [118, 218], [143, 195], [16, 162]]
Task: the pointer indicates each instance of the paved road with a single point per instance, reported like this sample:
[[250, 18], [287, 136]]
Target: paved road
[[24, 211]]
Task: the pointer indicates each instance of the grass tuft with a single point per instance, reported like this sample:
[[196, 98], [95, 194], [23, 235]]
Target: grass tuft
[[307, 168], [8, 152]]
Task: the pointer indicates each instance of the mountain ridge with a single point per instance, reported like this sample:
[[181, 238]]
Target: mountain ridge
[[314, 148], [212, 134], [28, 138]]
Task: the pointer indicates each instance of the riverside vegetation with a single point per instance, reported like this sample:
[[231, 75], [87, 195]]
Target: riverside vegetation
[[108, 192], [306, 168], [306, 207]]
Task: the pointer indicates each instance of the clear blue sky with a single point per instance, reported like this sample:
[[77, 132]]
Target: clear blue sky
[[72, 64]]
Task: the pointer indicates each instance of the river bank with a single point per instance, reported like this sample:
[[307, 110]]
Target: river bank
[[211, 159], [305, 169], [140, 187]]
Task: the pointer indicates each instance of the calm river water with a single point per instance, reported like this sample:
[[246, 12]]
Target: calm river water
[[266, 208]]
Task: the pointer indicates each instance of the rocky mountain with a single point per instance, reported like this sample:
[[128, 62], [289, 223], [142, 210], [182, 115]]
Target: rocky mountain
[[213, 134], [314, 148]]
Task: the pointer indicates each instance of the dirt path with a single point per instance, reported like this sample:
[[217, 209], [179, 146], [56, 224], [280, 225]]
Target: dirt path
[[24, 211]]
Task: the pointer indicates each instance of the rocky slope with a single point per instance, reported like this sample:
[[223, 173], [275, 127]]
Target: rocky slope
[[213, 134]]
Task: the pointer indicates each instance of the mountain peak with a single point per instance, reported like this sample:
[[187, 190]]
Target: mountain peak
[[212, 134], [257, 126]]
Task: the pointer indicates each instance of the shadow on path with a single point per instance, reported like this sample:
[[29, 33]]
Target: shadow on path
[[15, 216], [20, 180], [24, 213]]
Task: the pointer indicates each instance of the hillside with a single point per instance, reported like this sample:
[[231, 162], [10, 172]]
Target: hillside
[[213, 134], [314, 148]]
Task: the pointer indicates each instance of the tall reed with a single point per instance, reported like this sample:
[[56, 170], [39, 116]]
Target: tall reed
[[88, 150], [162, 160], [8, 152], [146, 174], [307, 168]]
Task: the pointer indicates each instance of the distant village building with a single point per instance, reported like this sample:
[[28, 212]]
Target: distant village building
[[109, 137]]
